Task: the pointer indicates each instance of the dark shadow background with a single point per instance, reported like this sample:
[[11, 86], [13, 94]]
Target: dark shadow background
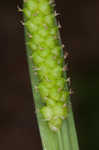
[[80, 30]]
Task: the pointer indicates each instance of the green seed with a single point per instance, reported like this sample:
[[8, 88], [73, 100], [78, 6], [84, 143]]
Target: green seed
[[55, 124], [47, 112]]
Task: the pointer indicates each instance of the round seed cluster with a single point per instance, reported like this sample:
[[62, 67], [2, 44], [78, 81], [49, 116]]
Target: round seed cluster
[[42, 33]]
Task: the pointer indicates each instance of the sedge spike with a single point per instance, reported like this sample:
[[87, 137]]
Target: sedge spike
[[48, 76], [43, 40]]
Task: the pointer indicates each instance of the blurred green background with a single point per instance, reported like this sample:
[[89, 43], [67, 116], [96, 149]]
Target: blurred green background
[[80, 34]]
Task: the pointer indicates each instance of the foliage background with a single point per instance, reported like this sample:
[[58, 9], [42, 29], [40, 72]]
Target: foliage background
[[80, 27]]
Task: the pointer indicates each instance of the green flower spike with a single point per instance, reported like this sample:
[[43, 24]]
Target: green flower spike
[[43, 40], [48, 78]]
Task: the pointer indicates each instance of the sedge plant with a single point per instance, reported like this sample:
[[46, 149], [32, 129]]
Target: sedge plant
[[48, 77]]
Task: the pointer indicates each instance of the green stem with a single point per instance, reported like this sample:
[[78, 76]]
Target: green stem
[[60, 140]]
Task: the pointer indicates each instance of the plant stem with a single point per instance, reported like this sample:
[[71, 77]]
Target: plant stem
[[60, 140]]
